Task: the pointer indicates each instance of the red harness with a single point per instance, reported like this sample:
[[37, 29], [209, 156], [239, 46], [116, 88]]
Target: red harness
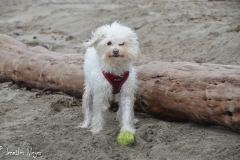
[[116, 81]]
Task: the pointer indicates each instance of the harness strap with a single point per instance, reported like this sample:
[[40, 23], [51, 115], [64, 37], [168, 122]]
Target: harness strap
[[116, 81]]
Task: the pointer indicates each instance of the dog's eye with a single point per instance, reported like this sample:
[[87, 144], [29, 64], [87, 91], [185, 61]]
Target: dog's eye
[[109, 43], [121, 44]]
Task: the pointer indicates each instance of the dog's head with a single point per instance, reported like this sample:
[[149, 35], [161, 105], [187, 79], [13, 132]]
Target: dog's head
[[115, 43]]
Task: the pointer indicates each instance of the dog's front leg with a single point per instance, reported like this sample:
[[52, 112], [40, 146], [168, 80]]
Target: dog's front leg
[[127, 119], [100, 106], [87, 108]]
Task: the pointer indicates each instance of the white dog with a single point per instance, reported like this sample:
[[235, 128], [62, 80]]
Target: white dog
[[110, 55]]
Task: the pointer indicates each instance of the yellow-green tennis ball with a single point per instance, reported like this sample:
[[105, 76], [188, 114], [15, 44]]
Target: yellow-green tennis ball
[[125, 139]]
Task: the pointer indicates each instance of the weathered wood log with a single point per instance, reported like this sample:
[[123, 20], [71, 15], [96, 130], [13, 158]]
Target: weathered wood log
[[207, 93], [37, 67]]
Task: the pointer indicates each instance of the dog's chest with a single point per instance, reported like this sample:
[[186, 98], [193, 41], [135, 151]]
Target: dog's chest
[[116, 81]]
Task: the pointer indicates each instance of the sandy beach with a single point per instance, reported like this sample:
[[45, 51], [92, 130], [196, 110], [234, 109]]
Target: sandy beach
[[42, 125]]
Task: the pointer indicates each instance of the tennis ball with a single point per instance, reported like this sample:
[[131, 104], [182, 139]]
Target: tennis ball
[[125, 139]]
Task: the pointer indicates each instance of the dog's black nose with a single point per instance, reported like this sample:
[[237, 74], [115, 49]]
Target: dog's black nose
[[115, 51]]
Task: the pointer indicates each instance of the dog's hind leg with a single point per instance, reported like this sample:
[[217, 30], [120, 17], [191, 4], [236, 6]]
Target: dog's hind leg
[[119, 115]]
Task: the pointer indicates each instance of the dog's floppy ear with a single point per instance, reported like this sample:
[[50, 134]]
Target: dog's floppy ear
[[96, 37], [93, 41]]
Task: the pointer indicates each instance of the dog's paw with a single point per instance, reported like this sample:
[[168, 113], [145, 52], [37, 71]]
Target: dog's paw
[[95, 130], [128, 129], [136, 120], [83, 125]]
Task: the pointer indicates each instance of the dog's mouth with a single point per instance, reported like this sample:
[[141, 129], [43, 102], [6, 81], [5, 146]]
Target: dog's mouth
[[116, 56]]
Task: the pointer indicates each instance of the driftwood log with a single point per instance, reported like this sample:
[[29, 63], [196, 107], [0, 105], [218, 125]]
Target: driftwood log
[[180, 91], [206, 93], [37, 67]]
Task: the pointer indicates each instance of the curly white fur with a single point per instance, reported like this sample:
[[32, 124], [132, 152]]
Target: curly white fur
[[113, 49]]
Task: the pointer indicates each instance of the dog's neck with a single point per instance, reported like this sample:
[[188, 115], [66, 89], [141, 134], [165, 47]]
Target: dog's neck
[[115, 68]]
